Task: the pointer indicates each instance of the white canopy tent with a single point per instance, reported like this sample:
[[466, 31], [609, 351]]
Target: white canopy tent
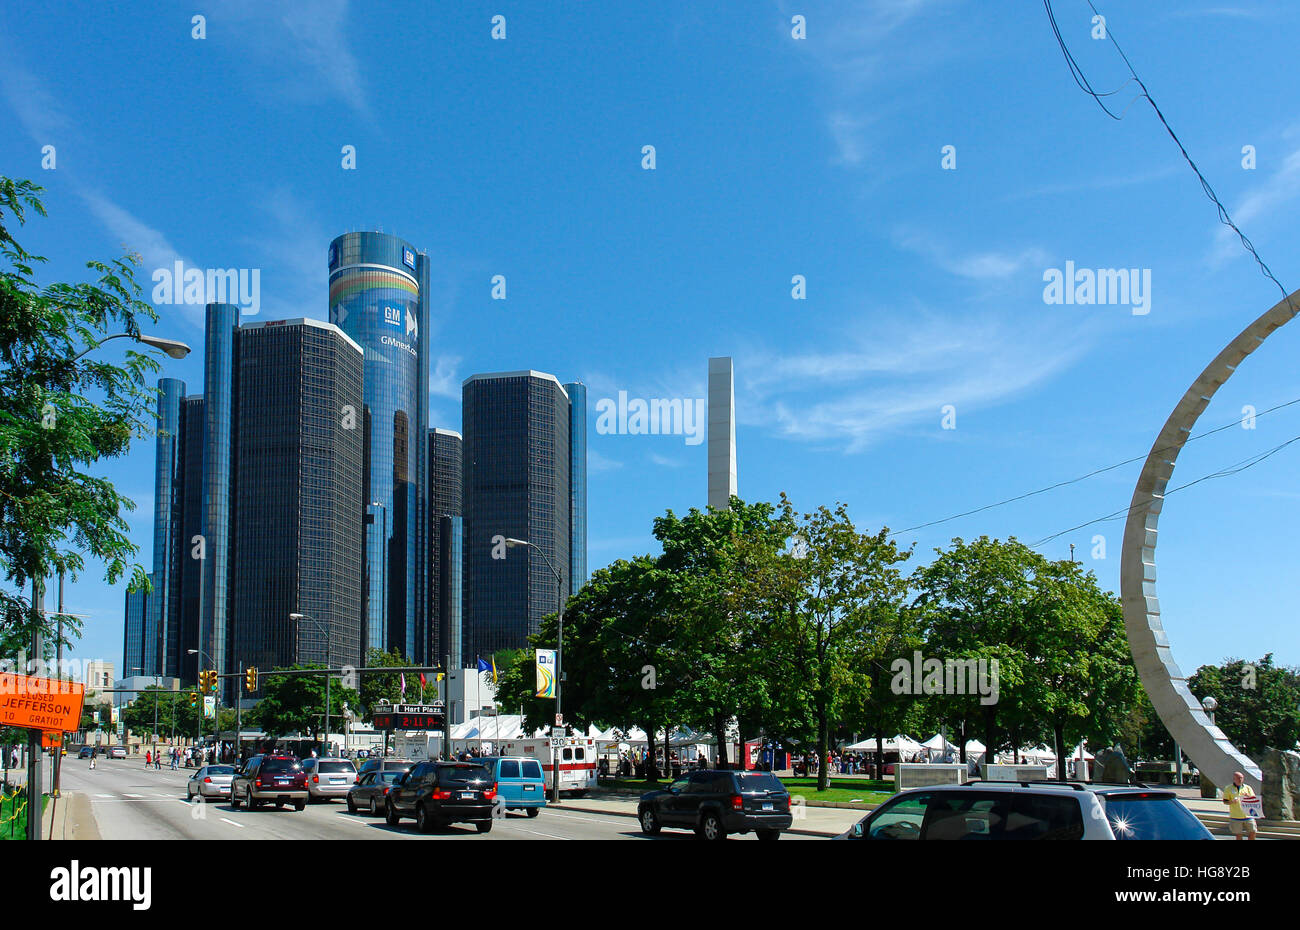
[[899, 743], [937, 743]]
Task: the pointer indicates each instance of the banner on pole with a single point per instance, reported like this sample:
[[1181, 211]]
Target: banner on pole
[[546, 673]]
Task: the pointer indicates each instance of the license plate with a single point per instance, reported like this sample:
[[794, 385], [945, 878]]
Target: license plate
[[337, 781], [767, 806], [467, 795], [282, 781], [529, 787]]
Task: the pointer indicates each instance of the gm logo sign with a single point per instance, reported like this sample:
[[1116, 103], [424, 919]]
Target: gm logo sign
[[393, 316], [408, 258]]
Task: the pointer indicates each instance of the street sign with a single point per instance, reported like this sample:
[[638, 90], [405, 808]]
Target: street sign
[[425, 718], [559, 720], [40, 703]]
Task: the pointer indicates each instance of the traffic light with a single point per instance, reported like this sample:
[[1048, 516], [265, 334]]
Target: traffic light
[[208, 681], [203, 680], [212, 681], [250, 679], [194, 699]]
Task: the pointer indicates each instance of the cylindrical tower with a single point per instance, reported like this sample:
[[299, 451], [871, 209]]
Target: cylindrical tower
[[378, 296], [160, 633]]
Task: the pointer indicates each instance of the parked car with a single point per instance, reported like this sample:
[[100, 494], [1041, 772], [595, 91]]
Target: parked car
[[715, 803], [441, 793], [386, 765], [278, 780], [211, 781], [520, 785], [371, 790], [85, 751], [329, 778], [986, 810], [117, 752]]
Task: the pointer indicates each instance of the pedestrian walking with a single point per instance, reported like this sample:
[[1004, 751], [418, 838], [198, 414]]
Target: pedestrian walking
[[93, 753], [148, 760], [1241, 825]]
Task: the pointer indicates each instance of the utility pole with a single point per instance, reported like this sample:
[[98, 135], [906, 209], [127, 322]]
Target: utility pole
[[58, 751], [34, 736]]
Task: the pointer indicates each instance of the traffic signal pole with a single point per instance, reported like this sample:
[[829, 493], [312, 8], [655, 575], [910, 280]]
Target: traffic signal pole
[[34, 736]]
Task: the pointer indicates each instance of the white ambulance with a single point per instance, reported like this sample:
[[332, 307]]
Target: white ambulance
[[577, 757]]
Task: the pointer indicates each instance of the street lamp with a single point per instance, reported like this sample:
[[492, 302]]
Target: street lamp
[[299, 617], [559, 651], [1210, 705], [172, 347]]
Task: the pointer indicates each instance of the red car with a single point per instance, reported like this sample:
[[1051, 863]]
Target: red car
[[277, 780]]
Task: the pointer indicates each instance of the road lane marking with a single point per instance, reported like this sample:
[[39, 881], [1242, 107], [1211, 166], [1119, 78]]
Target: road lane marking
[[129, 795], [550, 835], [232, 823]]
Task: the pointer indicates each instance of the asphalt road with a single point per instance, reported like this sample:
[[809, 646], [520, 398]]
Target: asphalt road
[[130, 802]]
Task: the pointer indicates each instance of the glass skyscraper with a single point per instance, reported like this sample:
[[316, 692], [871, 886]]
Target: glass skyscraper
[[577, 392], [191, 572], [298, 458], [378, 287], [445, 455], [160, 633], [518, 474], [219, 414]]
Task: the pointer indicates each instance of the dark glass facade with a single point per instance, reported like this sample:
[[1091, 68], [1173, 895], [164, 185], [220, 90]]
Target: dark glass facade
[[451, 537], [444, 459], [136, 621], [378, 288], [160, 638], [577, 392], [299, 504], [517, 475], [220, 416], [191, 571]]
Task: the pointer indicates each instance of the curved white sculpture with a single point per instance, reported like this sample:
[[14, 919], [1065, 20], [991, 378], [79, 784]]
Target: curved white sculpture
[[1165, 684]]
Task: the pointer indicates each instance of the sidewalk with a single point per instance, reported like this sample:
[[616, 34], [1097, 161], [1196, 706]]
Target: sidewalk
[[809, 821]]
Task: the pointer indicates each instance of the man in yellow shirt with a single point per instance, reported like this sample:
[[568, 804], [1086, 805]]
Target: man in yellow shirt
[[1233, 795]]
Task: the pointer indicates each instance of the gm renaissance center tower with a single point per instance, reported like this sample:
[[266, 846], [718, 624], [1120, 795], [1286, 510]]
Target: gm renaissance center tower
[[378, 287]]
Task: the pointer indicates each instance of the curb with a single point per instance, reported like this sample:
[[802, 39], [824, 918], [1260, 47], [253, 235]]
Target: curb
[[632, 814]]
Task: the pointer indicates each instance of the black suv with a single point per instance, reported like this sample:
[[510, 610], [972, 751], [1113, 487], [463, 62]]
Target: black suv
[[439, 793], [276, 779], [715, 803]]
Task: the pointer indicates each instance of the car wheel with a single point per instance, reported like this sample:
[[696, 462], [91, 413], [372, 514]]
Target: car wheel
[[769, 834], [234, 801], [374, 807], [533, 811], [253, 803], [301, 805], [352, 808], [390, 814], [483, 826], [711, 828], [649, 821], [422, 822]]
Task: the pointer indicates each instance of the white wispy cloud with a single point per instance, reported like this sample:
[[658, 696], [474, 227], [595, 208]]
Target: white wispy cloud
[[443, 381], [600, 463], [38, 111], [898, 376], [306, 46], [985, 265], [665, 461], [1260, 204]]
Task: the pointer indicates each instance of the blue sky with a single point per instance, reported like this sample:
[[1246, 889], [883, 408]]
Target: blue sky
[[775, 157]]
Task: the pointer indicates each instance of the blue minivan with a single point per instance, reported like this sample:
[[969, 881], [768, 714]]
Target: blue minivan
[[520, 786]]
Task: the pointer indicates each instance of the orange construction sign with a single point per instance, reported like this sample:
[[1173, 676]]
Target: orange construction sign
[[50, 740], [40, 703]]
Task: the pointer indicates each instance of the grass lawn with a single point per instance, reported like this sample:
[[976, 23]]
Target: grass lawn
[[16, 829], [841, 789]]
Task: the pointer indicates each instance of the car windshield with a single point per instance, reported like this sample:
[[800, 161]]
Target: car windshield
[[221, 770], [1152, 818], [464, 775]]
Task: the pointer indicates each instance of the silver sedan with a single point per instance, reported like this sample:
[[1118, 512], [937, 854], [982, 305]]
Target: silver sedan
[[211, 781]]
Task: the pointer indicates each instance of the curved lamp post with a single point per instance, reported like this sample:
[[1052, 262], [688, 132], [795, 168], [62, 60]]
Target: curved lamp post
[[172, 347]]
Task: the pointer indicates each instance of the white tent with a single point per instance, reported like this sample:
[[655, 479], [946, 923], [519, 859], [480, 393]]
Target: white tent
[[974, 748], [897, 743], [938, 744]]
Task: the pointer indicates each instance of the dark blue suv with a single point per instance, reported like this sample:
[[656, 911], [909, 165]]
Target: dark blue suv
[[715, 803]]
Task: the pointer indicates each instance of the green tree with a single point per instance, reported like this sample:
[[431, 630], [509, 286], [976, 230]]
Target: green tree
[[296, 703], [818, 606], [383, 686], [54, 506], [1259, 702], [708, 669]]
